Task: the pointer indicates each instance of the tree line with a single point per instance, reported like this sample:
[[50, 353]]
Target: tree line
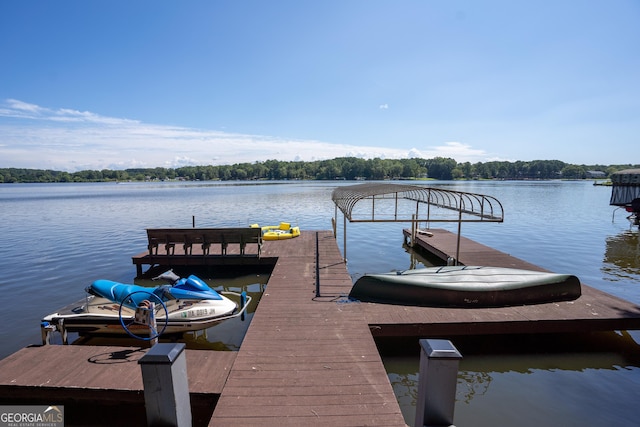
[[348, 168]]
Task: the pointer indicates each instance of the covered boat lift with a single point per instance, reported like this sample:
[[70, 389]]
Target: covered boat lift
[[625, 192], [392, 202]]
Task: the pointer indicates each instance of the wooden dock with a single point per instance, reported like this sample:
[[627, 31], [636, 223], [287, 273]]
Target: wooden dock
[[306, 360], [593, 311], [103, 385]]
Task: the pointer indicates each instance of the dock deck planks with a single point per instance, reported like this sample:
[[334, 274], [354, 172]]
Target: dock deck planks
[[306, 360], [100, 372], [309, 360], [593, 311]]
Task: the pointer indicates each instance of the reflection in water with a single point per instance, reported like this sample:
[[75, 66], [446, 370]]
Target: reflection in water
[[420, 258], [622, 256], [471, 384], [546, 377]]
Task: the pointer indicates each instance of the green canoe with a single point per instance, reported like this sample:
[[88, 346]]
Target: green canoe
[[465, 286]]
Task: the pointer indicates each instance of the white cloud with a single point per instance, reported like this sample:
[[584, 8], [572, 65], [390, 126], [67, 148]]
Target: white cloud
[[70, 140], [16, 105], [455, 150]]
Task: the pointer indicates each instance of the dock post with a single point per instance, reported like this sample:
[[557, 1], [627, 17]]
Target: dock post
[[166, 388], [317, 265], [439, 361], [414, 230]]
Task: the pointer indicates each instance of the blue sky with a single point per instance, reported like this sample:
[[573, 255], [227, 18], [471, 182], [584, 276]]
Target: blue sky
[[118, 84]]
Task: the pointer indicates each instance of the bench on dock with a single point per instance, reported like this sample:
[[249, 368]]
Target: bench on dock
[[205, 237]]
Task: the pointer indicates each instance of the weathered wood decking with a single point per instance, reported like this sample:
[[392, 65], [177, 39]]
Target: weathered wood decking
[[103, 385], [593, 311], [308, 360]]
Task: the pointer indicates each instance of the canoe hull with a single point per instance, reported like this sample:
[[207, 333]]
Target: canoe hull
[[466, 286]]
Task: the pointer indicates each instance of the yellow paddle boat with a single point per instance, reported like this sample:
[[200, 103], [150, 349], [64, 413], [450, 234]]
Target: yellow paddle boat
[[278, 232]]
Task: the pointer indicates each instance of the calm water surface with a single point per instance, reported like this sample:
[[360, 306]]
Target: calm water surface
[[58, 238]]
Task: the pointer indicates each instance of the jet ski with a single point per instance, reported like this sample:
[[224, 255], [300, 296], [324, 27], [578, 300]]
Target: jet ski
[[186, 304]]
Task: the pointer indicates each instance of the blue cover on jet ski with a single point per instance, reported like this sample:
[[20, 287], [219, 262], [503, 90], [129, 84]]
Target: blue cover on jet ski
[[117, 292], [193, 288], [189, 288]]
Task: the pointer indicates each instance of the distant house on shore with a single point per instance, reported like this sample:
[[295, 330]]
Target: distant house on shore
[[596, 174]]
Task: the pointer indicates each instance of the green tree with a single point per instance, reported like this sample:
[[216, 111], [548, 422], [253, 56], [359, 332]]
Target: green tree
[[441, 168], [573, 172]]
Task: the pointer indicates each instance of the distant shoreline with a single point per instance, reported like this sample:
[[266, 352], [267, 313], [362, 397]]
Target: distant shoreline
[[344, 168]]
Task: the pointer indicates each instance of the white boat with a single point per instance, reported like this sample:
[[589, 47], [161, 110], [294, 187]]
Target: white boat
[[466, 286], [109, 307]]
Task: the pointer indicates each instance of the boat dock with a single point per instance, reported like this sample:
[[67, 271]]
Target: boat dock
[[306, 359], [102, 385]]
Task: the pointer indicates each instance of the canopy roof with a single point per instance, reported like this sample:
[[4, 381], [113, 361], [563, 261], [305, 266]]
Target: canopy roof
[[394, 200], [626, 187], [626, 177], [391, 202]]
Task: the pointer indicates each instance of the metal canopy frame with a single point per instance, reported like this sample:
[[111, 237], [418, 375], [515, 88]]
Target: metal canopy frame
[[390, 202]]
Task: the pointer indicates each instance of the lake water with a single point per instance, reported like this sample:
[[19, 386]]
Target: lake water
[[58, 238]]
